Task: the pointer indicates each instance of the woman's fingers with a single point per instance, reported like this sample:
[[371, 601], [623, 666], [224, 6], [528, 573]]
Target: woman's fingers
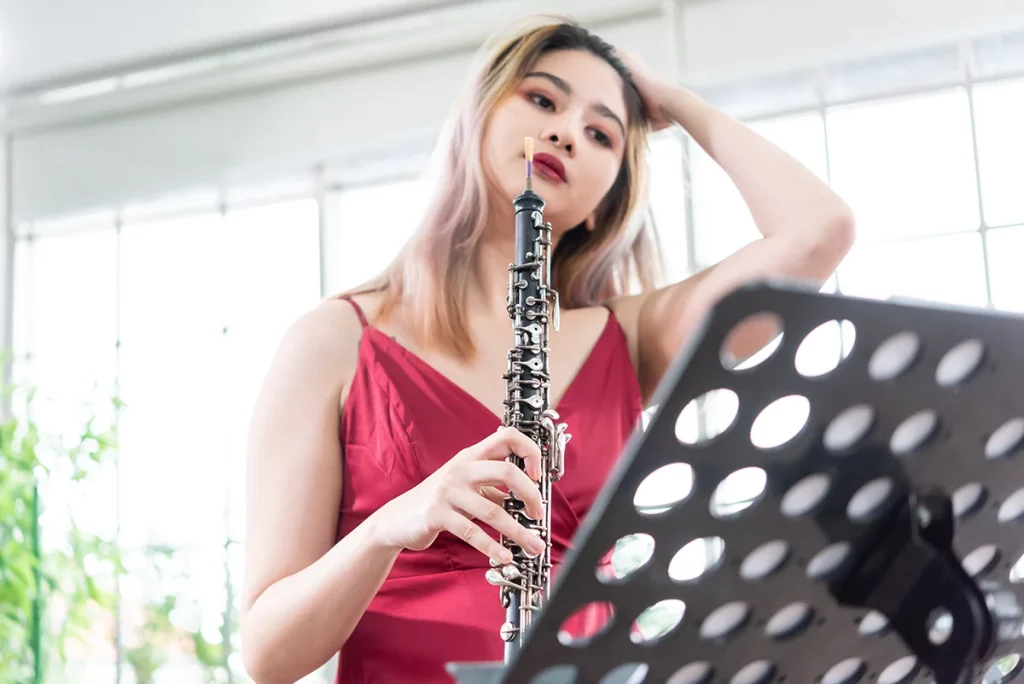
[[469, 532], [505, 441], [470, 491], [493, 494], [506, 474], [496, 517]]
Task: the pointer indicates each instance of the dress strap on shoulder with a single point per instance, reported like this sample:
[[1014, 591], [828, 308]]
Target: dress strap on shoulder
[[611, 313], [359, 310]]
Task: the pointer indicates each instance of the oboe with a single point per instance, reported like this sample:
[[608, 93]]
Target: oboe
[[533, 307]]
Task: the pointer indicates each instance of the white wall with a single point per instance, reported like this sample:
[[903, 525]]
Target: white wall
[[736, 39], [193, 138], [119, 159], [56, 38], [63, 169]]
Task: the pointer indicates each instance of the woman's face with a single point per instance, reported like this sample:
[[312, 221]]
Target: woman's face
[[572, 104]]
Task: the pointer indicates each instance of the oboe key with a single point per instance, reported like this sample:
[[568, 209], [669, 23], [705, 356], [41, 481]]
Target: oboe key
[[508, 631]]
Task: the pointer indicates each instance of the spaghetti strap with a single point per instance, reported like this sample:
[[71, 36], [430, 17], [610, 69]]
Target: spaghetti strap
[[359, 310]]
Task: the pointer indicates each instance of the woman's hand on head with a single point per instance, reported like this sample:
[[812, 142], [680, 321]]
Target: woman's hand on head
[[652, 86], [466, 489]]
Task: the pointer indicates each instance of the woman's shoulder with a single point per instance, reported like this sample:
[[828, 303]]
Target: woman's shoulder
[[324, 339], [327, 328], [585, 316]]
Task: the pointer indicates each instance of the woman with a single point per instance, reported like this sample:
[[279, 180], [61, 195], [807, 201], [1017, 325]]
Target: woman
[[376, 460]]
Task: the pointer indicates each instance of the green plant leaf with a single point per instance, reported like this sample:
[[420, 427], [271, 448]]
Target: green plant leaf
[[31, 580]]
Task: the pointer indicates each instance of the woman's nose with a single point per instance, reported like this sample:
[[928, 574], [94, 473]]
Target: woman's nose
[[561, 140]]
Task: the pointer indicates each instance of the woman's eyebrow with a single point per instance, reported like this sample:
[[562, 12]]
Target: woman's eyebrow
[[602, 109]]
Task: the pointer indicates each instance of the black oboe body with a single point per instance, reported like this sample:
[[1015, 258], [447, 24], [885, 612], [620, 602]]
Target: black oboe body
[[533, 307]]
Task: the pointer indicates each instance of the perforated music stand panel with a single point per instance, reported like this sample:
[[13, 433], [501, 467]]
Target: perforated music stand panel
[[757, 617]]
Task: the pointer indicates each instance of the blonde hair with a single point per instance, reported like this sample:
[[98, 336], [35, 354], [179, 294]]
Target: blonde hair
[[432, 274]]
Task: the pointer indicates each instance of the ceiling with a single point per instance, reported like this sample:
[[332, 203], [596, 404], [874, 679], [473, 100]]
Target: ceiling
[[53, 42]]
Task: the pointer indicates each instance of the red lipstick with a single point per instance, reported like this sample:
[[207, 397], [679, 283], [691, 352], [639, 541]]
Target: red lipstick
[[549, 166]]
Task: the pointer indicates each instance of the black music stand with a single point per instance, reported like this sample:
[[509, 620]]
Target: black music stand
[[882, 546]]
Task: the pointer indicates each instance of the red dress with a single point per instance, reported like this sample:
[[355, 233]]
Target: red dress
[[402, 420]]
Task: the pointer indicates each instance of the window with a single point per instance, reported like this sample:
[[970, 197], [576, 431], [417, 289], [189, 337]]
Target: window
[[71, 293], [668, 203], [723, 223], [273, 267], [998, 111], [21, 332], [172, 296], [367, 228], [1005, 247], [195, 578], [185, 313], [906, 165], [800, 135], [206, 299], [946, 269], [67, 284], [275, 278]]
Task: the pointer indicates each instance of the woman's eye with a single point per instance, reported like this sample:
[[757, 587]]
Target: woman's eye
[[542, 101], [601, 137]]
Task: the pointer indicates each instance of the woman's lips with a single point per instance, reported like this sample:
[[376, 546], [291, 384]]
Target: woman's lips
[[550, 166]]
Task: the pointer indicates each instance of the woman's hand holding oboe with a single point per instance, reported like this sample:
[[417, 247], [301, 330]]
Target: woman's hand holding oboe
[[465, 489]]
